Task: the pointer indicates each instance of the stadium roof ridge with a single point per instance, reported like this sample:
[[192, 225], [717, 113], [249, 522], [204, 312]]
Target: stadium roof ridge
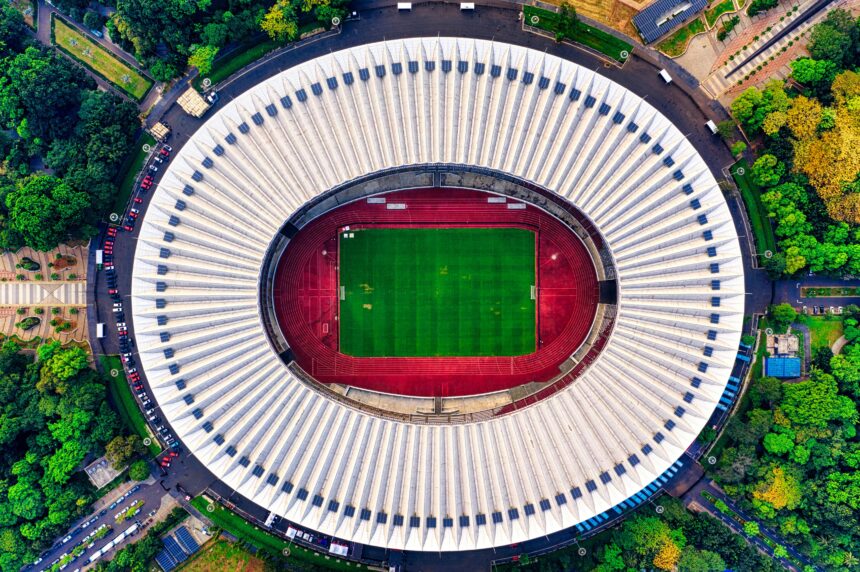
[[341, 471]]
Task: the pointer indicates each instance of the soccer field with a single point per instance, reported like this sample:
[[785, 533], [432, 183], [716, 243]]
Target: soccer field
[[426, 292]]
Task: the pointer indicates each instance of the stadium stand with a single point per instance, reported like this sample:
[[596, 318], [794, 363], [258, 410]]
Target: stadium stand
[[625, 420]]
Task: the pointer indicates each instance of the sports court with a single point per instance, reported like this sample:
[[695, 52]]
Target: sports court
[[437, 292]]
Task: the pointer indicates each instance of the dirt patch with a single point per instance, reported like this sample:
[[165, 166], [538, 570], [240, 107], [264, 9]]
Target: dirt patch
[[64, 262], [613, 13], [220, 555]]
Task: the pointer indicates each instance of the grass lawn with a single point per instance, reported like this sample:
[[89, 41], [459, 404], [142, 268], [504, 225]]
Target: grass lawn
[[123, 399], [759, 221], [586, 35], [101, 61], [717, 10], [675, 44], [133, 164], [262, 540], [236, 60], [823, 330], [222, 555], [427, 292]]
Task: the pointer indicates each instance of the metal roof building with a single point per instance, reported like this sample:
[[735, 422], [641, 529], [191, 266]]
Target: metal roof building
[[663, 16], [333, 467]]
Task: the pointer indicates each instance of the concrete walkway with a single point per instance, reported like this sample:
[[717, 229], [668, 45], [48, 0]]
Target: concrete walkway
[[838, 345]]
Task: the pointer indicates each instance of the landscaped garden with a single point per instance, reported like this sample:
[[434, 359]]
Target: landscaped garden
[[717, 10], [580, 33], [98, 59], [676, 44]]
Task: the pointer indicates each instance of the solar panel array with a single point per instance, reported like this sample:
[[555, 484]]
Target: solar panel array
[[655, 20], [175, 552]]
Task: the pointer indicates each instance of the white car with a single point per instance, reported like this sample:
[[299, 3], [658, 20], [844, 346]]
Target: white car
[[120, 326], [117, 310]]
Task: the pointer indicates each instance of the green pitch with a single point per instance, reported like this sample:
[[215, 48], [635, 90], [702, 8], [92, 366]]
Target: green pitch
[[424, 292]]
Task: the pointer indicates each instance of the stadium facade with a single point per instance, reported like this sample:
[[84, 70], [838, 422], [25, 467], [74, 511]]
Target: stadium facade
[[500, 115]]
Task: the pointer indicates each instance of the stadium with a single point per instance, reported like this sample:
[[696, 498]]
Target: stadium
[[438, 294]]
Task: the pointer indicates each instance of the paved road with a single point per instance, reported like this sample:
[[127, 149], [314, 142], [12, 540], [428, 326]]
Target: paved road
[[694, 497], [150, 492], [678, 102]]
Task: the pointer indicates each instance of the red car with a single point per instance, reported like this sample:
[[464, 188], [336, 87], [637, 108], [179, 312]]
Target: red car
[[112, 231], [164, 152], [128, 228], [173, 454], [138, 200]]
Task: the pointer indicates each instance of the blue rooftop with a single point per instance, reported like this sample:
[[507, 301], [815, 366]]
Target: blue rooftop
[[665, 15], [782, 367]]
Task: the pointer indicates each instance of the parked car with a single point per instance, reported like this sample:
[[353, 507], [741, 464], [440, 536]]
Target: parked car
[[137, 200]]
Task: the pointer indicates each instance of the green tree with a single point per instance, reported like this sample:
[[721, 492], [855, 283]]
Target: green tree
[[281, 22], [783, 314], [778, 443], [202, 58], [693, 560], [45, 211], [751, 527], [738, 148], [817, 402], [121, 449], [139, 471], [813, 72], [828, 43], [566, 22], [767, 171]]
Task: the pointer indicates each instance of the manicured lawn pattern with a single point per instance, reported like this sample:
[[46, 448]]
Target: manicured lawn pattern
[[759, 221], [594, 38], [98, 59], [426, 292], [675, 44]]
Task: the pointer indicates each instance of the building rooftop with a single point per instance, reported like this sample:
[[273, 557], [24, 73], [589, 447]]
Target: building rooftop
[[782, 367], [346, 472], [663, 16]]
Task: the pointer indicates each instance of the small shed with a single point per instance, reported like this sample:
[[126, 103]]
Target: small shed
[[782, 367]]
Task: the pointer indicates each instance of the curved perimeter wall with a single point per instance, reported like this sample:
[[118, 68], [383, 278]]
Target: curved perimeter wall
[[389, 483]]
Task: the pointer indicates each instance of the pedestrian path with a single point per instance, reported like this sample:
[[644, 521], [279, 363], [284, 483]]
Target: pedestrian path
[[798, 23]]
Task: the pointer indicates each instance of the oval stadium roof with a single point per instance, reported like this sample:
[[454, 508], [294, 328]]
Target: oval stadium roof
[[377, 481]]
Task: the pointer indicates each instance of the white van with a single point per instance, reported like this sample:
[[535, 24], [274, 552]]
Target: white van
[[467, 6], [404, 6], [100, 330], [712, 126], [665, 75]]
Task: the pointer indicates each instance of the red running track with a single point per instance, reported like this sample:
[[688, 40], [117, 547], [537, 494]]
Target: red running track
[[306, 284]]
